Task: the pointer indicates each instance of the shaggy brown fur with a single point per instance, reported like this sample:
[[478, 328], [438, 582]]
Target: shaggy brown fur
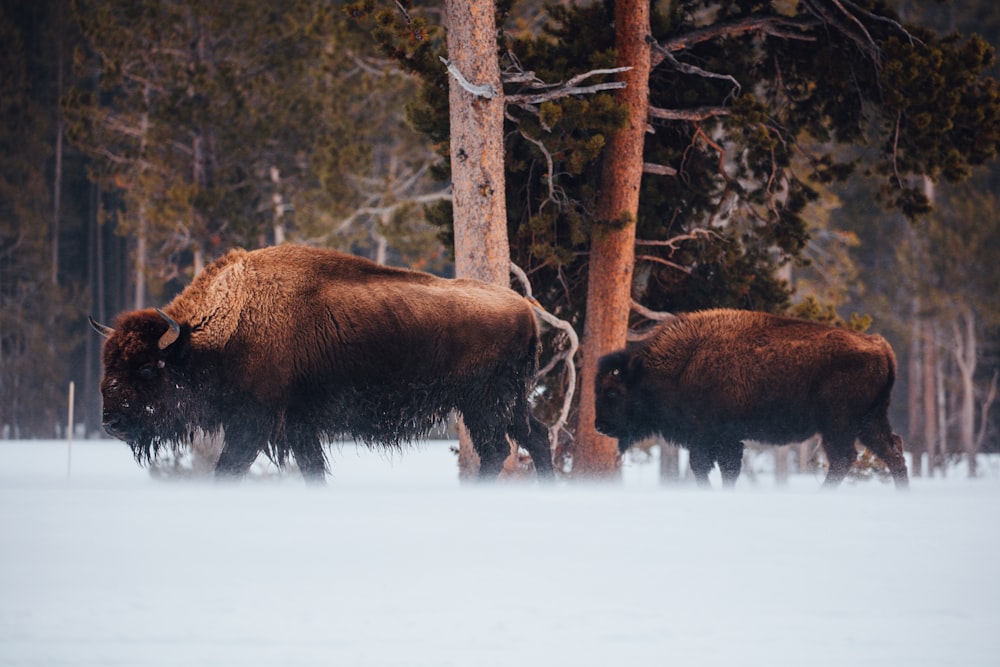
[[284, 346], [711, 380]]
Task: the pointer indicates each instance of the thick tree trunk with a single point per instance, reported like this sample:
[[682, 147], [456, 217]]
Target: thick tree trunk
[[482, 250], [612, 250], [477, 170]]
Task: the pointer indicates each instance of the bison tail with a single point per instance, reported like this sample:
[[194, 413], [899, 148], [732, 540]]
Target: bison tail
[[880, 405]]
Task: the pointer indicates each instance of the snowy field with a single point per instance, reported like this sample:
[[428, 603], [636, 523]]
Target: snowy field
[[394, 563]]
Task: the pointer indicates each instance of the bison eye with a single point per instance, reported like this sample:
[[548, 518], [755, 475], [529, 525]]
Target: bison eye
[[612, 394], [147, 372]]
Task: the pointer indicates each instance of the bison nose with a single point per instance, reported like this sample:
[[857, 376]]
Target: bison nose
[[112, 423]]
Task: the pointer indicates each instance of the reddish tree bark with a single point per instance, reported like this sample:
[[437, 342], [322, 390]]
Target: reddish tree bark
[[612, 251]]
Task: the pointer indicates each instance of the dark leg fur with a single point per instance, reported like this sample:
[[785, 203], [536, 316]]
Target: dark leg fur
[[308, 452], [701, 464], [533, 436], [883, 443], [490, 443], [841, 454], [730, 458], [235, 460]]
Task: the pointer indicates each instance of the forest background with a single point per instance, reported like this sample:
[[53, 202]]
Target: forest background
[[142, 140]]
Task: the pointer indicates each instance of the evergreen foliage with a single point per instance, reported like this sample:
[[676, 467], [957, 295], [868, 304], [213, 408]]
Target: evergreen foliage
[[749, 89]]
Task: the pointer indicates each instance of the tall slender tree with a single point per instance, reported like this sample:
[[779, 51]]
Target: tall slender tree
[[612, 247]]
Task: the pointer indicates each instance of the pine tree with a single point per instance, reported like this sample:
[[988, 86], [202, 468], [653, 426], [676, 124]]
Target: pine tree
[[34, 314]]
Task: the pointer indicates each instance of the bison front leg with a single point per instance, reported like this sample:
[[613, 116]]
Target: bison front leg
[[243, 442], [311, 460], [840, 454], [730, 458], [302, 441], [235, 460]]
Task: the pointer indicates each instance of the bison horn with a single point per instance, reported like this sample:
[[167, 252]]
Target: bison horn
[[172, 334], [100, 328]]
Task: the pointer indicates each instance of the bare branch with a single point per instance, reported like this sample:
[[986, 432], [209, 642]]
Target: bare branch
[[691, 115], [566, 356], [381, 211], [691, 69], [674, 241], [485, 90], [777, 26], [564, 91], [658, 169], [984, 410], [550, 166], [859, 34], [652, 314], [665, 262], [882, 19]]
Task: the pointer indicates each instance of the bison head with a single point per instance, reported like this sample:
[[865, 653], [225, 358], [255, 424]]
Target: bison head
[[617, 383], [145, 381]]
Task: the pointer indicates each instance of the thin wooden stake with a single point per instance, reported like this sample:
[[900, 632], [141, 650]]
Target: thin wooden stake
[[69, 432]]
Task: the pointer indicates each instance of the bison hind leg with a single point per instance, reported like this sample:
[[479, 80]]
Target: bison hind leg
[[886, 445], [490, 442], [532, 434]]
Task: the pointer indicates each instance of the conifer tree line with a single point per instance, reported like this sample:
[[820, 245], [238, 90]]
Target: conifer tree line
[[819, 157]]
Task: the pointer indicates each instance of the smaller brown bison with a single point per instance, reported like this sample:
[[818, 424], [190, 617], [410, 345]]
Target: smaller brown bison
[[285, 347], [712, 379]]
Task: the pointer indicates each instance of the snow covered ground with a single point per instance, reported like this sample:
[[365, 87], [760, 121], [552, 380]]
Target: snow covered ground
[[395, 563]]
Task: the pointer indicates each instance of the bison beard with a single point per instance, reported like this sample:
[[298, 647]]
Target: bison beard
[[710, 380], [285, 347]]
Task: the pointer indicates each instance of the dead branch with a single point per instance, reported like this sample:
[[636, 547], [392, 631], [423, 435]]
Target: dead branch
[[690, 115], [691, 69], [484, 90], [658, 318], [672, 243], [984, 410], [857, 32], [531, 99], [665, 262], [381, 211], [550, 167], [658, 169], [567, 356], [777, 26], [652, 314]]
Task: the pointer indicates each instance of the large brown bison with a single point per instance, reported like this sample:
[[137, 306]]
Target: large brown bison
[[712, 379], [284, 347]]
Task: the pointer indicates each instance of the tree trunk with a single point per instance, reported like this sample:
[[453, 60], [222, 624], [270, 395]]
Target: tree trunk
[[612, 249], [916, 442], [480, 210], [670, 463], [930, 399], [782, 455], [965, 357], [482, 250]]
